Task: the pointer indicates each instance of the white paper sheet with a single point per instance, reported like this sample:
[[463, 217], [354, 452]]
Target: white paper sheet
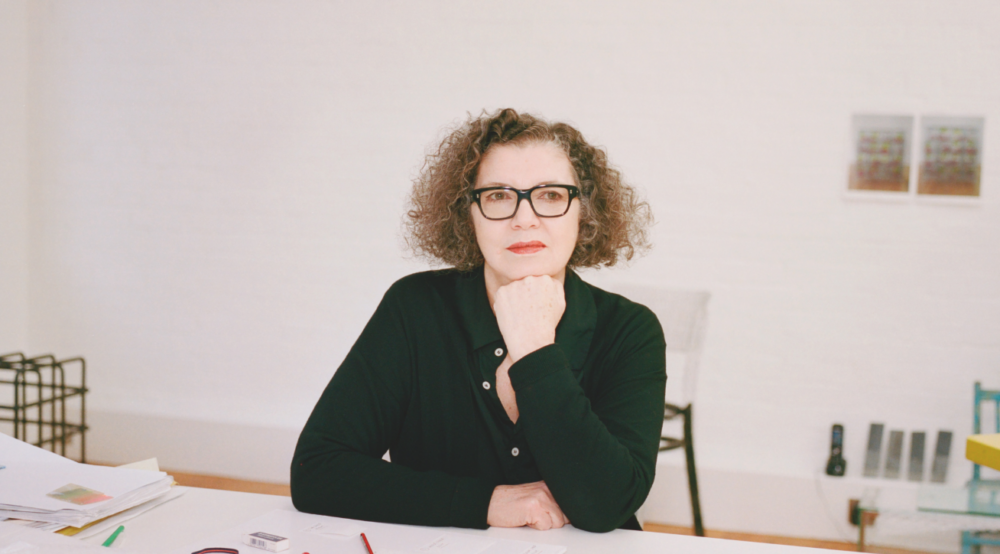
[[15, 450], [117, 519], [40, 525], [26, 486], [521, 547], [147, 465], [336, 528], [453, 543]]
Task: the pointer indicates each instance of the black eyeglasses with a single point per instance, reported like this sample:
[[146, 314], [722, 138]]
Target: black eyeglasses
[[545, 200]]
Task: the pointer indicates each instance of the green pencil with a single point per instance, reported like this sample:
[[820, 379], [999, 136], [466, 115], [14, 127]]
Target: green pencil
[[114, 536]]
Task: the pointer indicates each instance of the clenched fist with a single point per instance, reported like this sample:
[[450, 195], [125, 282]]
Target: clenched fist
[[528, 311], [529, 504]]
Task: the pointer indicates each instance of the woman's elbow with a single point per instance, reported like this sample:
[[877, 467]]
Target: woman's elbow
[[598, 518], [598, 523], [306, 489], [302, 503], [606, 512], [300, 489]]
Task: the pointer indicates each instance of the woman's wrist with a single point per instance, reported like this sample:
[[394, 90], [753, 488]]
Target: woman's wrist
[[521, 350]]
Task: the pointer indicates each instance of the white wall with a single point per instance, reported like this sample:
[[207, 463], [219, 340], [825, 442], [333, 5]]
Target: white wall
[[219, 189], [13, 176]]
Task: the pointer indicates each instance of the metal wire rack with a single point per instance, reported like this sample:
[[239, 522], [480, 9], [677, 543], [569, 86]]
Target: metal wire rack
[[43, 394]]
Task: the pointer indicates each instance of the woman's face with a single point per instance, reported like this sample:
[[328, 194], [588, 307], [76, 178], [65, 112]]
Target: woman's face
[[526, 244]]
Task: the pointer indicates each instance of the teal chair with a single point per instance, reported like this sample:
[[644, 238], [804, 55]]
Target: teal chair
[[973, 540]]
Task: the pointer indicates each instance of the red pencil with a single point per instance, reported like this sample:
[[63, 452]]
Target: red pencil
[[367, 545]]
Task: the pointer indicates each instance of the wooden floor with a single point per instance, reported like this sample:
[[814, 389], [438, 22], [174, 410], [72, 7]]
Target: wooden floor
[[225, 483]]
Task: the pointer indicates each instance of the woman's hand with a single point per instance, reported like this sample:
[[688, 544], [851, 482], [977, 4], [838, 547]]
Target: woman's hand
[[528, 311], [529, 504]]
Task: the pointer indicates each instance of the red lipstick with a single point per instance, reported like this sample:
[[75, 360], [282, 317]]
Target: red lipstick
[[526, 247]]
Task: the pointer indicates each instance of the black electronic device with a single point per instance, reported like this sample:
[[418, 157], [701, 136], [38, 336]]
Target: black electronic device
[[836, 464]]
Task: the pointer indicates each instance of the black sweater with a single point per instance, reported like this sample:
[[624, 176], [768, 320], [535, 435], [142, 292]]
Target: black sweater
[[420, 383]]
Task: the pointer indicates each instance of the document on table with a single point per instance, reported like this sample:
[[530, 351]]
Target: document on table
[[314, 533], [42, 486], [103, 525], [337, 528]]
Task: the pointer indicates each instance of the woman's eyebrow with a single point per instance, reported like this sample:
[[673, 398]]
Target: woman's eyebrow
[[547, 182]]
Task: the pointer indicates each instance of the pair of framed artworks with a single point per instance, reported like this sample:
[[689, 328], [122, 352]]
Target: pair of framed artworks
[[949, 154]]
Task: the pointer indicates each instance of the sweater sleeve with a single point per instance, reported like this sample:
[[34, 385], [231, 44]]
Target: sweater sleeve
[[597, 455], [338, 469]]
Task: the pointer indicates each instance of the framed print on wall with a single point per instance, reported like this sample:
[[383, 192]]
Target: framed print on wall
[[951, 156], [881, 152]]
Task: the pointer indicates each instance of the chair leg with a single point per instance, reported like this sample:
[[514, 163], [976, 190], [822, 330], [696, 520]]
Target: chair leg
[[699, 529], [968, 544]]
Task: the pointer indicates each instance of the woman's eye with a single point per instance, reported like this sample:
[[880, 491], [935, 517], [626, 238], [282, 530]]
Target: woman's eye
[[497, 196]]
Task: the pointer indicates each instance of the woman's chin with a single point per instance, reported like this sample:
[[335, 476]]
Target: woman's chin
[[528, 268]]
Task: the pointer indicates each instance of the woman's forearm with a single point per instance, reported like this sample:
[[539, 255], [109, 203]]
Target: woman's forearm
[[332, 480], [597, 458]]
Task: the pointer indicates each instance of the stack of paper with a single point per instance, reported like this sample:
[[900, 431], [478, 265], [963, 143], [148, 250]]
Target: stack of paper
[[39, 485]]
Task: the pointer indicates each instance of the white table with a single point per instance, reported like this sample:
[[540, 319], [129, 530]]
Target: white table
[[201, 513]]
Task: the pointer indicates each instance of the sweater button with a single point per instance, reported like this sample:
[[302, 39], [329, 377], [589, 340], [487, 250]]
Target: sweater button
[[514, 451], [486, 385], [498, 352]]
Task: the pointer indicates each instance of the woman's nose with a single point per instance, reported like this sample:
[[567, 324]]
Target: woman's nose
[[524, 217]]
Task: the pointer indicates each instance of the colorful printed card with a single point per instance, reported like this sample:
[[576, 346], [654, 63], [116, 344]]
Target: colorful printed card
[[78, 495]]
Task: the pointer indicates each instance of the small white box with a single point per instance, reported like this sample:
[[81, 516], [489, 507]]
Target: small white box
[[266, 541]]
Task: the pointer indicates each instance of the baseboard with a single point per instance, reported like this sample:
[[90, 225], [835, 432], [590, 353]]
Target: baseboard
[[204, 447]]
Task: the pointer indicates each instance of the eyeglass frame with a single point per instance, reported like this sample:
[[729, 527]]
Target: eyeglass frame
[[476, 194]]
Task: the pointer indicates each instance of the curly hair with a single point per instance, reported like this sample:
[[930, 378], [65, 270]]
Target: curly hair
[[614, 221]]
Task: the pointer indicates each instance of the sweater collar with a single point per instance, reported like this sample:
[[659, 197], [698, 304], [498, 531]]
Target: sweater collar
[[573, 334]]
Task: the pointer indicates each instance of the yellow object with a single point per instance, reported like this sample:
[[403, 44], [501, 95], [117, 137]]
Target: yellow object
[[984, 450], [70, 531]]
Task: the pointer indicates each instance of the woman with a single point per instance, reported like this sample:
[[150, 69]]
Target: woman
[[507, 391]]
